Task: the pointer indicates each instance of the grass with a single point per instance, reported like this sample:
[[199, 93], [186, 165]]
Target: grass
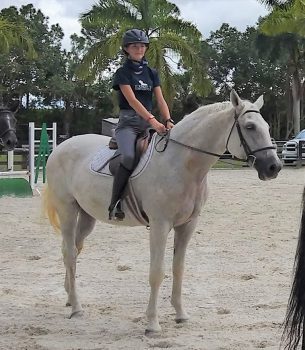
[[18, 160], [229, 164]]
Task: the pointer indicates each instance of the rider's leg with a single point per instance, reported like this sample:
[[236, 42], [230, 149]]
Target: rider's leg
[[126, 138], [119, 183]]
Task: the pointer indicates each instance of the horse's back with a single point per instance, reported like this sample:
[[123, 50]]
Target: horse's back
[[80, 145]]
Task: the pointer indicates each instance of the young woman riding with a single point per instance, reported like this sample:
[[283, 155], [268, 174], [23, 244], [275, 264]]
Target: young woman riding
[[136, 84]]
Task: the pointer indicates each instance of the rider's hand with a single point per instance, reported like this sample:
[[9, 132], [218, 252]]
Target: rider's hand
[[159, 127], [169, 125]]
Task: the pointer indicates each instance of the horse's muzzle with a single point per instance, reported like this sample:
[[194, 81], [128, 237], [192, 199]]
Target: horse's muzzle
[[9, 141], [268, 167]]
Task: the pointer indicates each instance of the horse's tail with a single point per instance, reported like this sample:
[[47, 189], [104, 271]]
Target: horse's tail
[[294, 320], [50, 209]]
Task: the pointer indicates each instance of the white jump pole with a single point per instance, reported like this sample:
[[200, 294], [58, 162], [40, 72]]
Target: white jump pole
[[10, 160], [54, 135], [32, 153]]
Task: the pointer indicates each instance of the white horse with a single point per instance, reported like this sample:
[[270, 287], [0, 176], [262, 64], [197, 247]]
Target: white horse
[[171, 190]]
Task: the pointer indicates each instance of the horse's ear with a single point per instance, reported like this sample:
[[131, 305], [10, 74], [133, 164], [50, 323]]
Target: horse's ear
[[14, 106], [259, 102], [235, 99]]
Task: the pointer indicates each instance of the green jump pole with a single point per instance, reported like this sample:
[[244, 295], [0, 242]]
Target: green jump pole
[[43, 153]]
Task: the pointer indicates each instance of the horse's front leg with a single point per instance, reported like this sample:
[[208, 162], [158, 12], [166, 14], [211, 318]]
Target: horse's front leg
[[158, 237], [183, 234]]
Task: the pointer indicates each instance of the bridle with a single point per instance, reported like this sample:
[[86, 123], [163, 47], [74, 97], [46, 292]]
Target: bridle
[[9, 128], [249, 153]]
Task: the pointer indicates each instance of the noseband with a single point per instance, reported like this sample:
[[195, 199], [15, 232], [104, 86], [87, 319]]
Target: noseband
[[9, 128], [249, 153]]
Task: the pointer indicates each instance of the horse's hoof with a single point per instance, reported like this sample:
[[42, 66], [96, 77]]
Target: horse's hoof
[[76, 314], [181, 320], [68, 304], [150, 333]]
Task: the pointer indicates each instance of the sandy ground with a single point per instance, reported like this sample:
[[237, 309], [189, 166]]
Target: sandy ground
[[237, 278]]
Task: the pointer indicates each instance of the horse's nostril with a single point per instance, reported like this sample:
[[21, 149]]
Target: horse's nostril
[[273, 167]]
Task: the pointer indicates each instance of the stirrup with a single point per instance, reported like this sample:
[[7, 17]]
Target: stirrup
[[116, 212]]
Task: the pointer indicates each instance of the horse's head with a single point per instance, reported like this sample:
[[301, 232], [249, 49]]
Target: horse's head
[[250, 138], [8, 138]]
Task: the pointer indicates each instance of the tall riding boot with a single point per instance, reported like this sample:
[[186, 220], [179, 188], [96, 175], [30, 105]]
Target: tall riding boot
[[119, 183]]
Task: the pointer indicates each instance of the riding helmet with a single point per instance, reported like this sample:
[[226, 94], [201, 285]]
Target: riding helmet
[[134, 36]]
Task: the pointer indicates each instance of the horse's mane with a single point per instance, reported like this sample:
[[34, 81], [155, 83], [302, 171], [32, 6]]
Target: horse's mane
[[211, 108], [215, 107], [208, 109]]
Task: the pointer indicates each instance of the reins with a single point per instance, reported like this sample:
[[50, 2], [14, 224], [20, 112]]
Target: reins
[[249, 153]]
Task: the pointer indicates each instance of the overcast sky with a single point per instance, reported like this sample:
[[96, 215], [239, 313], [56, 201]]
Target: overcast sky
[[207, 15]]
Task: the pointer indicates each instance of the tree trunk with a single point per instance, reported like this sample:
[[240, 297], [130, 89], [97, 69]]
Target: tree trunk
[[288, 118], [67, 118], [296, 101], [27, 103]]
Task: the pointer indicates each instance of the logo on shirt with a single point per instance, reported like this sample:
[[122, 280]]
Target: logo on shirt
[[142, 86]]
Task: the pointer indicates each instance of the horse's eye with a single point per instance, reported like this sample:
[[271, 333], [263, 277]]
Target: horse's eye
[[250, 126]]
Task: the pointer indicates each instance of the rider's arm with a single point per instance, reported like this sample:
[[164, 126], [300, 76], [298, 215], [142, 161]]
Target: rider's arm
[[140, 109], [163, 107]]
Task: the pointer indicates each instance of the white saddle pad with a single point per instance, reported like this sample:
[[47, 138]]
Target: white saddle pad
[[100, 161]]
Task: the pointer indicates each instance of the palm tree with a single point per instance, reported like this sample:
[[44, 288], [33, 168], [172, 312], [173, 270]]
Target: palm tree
[[272, 4], [287, 20], [173, 42]]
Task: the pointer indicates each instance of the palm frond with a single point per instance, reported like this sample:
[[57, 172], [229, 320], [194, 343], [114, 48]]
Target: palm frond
[[109, 13], [272, 4], [171, 39], [285, 20]]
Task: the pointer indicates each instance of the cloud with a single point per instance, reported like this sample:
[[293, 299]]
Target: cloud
[[207, 15]]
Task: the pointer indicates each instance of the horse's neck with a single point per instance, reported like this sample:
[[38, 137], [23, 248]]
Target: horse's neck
[[208, 132]]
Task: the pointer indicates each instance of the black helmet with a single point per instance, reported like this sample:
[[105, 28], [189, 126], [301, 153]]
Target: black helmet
[[134, 36]]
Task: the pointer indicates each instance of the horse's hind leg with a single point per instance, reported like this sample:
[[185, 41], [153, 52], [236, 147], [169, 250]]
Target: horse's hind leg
[[68, 213], [84, 227], [183, 234]]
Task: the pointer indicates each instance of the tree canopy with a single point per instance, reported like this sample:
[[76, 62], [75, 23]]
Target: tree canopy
[[73, 86]]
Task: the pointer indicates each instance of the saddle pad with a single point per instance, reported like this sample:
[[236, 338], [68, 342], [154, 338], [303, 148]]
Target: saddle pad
[[100, 161]]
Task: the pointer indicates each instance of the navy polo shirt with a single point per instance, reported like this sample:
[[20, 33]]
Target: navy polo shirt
[[141, 83]]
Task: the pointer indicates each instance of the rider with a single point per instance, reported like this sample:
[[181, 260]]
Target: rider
[[136, 83]]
